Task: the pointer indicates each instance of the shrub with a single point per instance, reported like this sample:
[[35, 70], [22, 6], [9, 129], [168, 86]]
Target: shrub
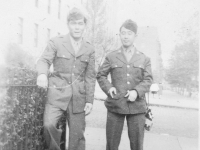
[[21, 111], [21, 103]]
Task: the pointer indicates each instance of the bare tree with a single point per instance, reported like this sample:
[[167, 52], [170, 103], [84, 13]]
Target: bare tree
[[97, 31]]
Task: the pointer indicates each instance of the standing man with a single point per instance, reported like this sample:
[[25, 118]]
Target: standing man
[[71, 85], [130, 79]]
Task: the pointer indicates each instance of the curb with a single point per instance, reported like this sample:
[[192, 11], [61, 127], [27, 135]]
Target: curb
[[161, 105], [178, 107]]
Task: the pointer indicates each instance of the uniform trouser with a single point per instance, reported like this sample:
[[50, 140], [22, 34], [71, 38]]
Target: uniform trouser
[[76, 123], [114, 127]]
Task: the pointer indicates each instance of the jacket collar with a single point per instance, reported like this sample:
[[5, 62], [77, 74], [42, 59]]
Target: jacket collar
[[68, 45], [120, 55], [83, 49], [136, 56]]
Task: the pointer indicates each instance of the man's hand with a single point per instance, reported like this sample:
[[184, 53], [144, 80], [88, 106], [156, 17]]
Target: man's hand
[[112, 90], [132, 95], [88, 108], [42, 81]]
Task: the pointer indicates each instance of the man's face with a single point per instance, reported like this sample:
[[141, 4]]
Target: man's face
[[127, 37], [76, 28]]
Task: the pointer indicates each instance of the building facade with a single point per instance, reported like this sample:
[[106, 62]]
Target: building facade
[[147, 42], [31, 23]]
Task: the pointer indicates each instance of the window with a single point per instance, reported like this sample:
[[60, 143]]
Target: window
[[36, 35], [20, 31], [49, 6], [36, 3], [59, 7], [48, 34]]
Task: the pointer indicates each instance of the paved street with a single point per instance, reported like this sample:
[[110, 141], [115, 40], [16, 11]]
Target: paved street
[[95, 140], [169, 121], [174, 127], [174, 114], [168, 99], [172, 99]]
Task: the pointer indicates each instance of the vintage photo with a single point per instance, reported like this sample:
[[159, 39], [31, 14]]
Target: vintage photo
[[99, 74]]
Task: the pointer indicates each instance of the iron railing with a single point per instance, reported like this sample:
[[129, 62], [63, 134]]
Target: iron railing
[[21, 112]]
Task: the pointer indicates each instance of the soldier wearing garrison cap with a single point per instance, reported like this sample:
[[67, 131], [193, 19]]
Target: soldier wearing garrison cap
[[131, 78], [70, 86]]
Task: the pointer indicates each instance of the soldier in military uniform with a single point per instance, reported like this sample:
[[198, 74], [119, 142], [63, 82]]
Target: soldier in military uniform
[[131, 78], [71, 85]]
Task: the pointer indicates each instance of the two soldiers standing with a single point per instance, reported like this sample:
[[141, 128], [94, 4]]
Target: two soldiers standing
[[71, 85]]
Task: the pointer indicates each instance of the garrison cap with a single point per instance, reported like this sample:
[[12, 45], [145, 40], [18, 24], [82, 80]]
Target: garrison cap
[[130, 25]]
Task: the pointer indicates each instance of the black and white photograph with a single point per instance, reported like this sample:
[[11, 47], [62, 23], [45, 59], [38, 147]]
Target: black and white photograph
[[99, 74]]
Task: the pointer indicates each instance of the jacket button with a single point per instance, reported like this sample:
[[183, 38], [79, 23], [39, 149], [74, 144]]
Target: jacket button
[[128, 66], [128, 82], [69, 82], [74, 66], [128, 74]]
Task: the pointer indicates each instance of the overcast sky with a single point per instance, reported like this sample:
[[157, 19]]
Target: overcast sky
[[167, 15]]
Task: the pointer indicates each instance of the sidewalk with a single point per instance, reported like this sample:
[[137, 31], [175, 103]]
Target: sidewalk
[[172, 99], [168, 99], [96, 140]]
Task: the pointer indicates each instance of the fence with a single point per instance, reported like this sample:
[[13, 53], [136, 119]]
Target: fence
[[21, 112], [24, 126]]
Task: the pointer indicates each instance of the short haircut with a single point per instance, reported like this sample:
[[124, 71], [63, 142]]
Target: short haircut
[[130, 25], [76, 14]]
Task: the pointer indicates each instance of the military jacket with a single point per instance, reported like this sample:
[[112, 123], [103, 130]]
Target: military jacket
[[133, 75], [73, 77]]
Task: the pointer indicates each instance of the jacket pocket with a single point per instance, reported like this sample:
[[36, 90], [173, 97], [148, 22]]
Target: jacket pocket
[[82, 87], [64, 56], [84, 61], [57, 84], [117, 71], [61, 62], [139, 70], [116, 65], [140, 66], [85, 58]]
